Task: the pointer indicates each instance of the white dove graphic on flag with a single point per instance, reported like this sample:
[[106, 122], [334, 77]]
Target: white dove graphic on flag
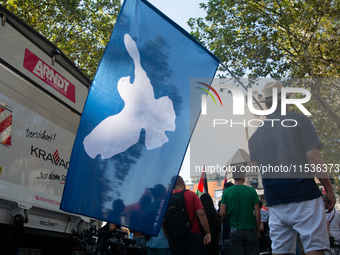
[[117, 133]]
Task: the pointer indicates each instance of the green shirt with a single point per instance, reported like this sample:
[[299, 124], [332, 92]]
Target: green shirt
[[240, 201]]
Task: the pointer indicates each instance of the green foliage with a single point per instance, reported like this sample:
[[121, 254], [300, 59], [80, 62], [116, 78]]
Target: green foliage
[[282, 39], [80, 28], [273, 38]]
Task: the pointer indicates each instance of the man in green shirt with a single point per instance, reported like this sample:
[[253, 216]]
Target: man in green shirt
[[240, 204]]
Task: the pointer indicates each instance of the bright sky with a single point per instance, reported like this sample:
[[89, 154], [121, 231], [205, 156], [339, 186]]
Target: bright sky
[[180, 11]]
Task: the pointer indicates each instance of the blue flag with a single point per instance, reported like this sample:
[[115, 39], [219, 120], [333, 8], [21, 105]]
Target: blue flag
[[135, 126]]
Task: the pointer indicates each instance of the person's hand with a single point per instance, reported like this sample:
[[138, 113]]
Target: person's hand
[[258, 234], [330, 201], [207, 239]]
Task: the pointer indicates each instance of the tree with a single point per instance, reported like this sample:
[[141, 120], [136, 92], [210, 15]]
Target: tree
[[282, 39], [80, 28]]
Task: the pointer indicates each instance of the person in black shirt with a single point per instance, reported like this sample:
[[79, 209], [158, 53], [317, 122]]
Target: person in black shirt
[[214, 224]]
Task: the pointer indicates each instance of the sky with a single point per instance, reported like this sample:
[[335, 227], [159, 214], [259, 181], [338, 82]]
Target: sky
[[180, 11]]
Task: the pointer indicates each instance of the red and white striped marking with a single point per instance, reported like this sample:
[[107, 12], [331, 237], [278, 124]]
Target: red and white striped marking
[[56, 156], [5, 126]]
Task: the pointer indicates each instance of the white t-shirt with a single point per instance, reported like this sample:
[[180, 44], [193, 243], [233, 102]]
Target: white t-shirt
[[334, 225]]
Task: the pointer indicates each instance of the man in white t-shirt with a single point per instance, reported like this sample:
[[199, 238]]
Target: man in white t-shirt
[[333, 220]]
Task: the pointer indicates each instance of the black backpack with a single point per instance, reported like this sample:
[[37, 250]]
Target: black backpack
[[176, 219]]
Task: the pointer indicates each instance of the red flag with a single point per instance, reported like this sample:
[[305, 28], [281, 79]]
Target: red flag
[[203, 184]]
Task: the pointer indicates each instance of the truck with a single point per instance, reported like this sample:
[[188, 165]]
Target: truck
[[42, 94]]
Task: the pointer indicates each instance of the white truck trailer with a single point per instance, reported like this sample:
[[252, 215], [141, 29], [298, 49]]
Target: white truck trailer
[[42, 94]]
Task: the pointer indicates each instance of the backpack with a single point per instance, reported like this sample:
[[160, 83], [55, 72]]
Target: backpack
[[176, 218]]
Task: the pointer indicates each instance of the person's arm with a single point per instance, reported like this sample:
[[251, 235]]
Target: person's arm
[[204, 222], [257, 218], [261, 227], [165, 233], [314, 157], [223, 207], [223, 210]]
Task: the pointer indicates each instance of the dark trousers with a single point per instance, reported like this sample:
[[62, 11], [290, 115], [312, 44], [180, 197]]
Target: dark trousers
[[244, 241], [227, 247], [190, 244]]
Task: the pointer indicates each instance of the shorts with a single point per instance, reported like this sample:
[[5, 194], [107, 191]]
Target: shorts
[[306, 218]]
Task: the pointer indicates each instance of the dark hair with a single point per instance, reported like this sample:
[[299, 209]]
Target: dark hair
[[212, 216], [176, 180], [227, 185]]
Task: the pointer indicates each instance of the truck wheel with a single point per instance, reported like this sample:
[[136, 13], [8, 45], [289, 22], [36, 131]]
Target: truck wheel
[[18, 219]]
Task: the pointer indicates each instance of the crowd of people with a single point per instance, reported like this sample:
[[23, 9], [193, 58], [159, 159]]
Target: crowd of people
[[239, 226], [299, 220]]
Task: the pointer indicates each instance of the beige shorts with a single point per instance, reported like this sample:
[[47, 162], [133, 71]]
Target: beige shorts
[[307, 218]]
